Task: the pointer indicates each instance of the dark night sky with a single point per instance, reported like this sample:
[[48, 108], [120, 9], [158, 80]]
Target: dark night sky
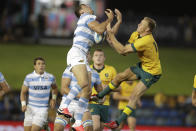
[[158, 7]]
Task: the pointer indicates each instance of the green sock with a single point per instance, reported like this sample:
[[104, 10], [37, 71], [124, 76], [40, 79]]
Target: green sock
[[126, 112], [122, 117], [107, 90]]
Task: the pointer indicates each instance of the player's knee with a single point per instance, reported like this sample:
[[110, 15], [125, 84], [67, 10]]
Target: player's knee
[[88, 124], [59, 123]]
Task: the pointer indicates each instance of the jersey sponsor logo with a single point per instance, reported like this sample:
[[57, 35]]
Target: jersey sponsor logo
[[81, 61], [46, 78], [40, 88]]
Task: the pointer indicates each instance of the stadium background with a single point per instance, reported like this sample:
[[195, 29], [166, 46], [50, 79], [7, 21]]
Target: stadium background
[[31, 28]]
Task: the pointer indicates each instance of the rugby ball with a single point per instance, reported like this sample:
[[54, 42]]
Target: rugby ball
[[99, 38]]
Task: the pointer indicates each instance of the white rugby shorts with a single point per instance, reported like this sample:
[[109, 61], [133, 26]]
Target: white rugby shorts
[[36, 116], [76, 56]]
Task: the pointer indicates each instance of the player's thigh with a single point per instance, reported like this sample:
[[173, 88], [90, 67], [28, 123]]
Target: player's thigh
[[81, 74], [28, 117], [35, 128], [96, 121], [27, 128], [87, 116], [131, 123], [127, 74], [40, 118]]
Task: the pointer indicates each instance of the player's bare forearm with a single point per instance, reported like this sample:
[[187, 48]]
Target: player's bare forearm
[[119, 21], [54, 91], [116, 44], [22, 96], [23, 93], [116, 27], [101, 27]]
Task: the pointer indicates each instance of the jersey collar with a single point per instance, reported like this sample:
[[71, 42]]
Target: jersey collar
[[42, 75], [99, 70]]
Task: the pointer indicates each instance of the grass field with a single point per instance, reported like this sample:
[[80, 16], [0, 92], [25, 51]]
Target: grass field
[[179, 65]]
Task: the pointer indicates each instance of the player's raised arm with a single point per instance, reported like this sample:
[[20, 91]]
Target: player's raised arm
[[119, 21], [120, 48], [101, 27]]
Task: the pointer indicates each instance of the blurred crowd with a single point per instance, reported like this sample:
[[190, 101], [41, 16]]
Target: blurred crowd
[[23, 19], [159, 109], [19, 20]]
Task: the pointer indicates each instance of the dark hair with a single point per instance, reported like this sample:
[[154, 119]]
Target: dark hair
[[77, 10], [151, 23], [99, 50], [38, 58]]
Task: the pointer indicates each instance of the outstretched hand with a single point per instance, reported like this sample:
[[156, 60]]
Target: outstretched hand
[[118, 15], [109, 14]]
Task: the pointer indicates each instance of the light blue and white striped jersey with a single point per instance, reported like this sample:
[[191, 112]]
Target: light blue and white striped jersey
[[83, 35], [39, 88], [2, 79], [95, 79]]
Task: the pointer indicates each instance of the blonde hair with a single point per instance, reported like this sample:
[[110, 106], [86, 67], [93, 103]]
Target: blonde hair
[[151, 23]]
